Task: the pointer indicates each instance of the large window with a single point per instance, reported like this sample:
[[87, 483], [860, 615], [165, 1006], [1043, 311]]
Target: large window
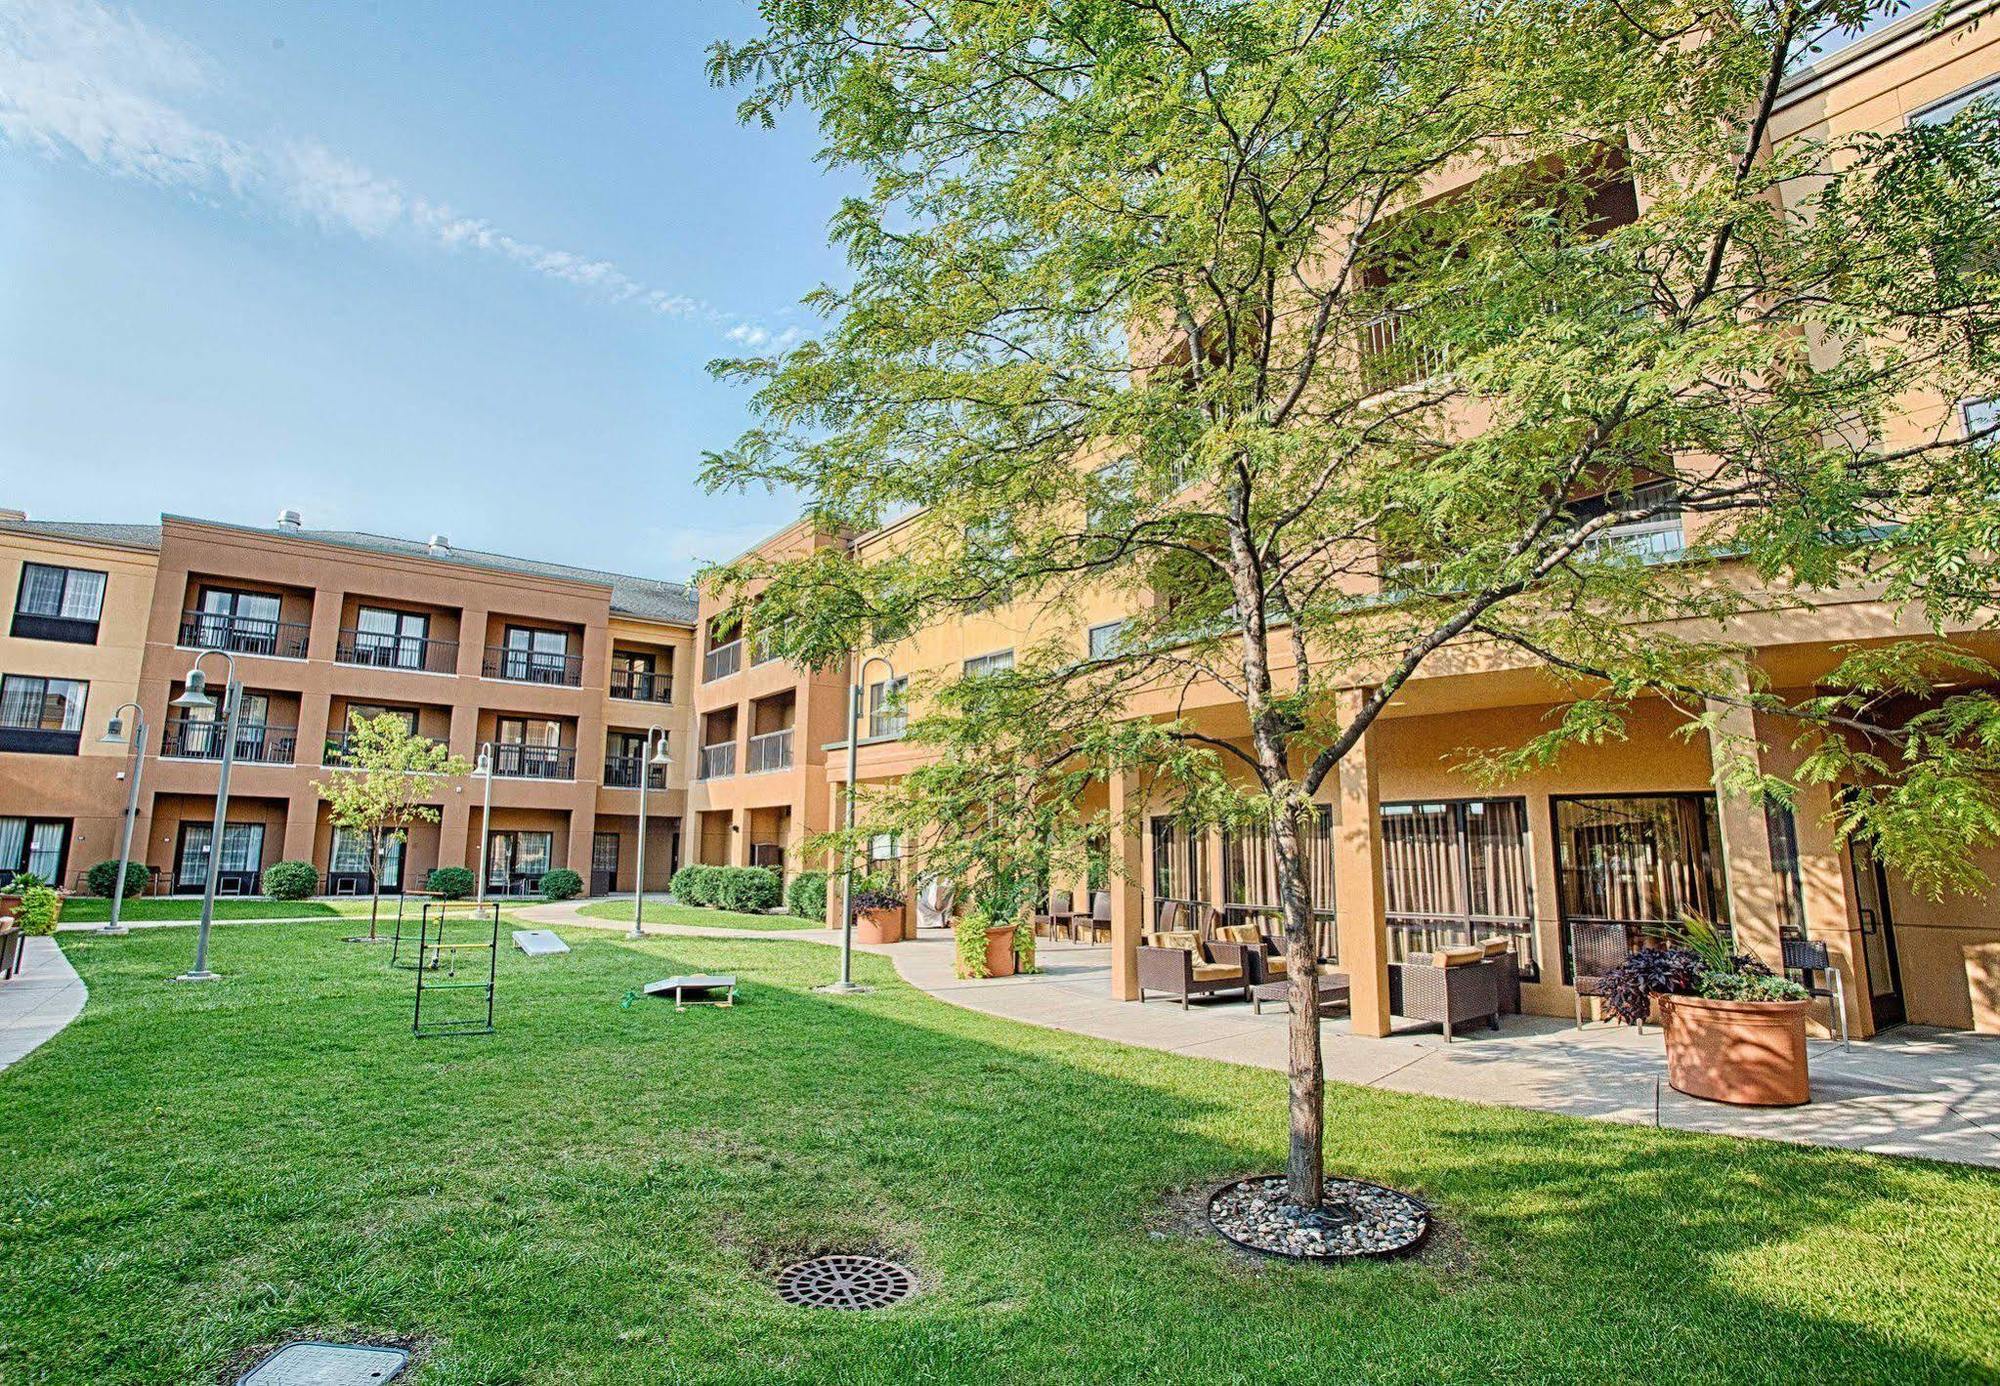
[[41, 715], [518, 859], [532, 748], [390, 639], [1180, 865], [39, 846], [1657, 535], [1638, 861], [348, 863], [537, 656], [58, 604], [980, 666], [1250, 872], [1105, 639], [1987, 91], [242, 857], [887, 716], [1454, 871], [243, 622], [1980, 416]]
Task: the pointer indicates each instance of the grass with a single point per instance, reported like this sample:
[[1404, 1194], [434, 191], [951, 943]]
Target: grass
[[598, 1194], [86, 909], [659, 912]]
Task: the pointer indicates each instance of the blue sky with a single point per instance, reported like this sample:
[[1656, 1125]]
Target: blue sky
[[413, 266]]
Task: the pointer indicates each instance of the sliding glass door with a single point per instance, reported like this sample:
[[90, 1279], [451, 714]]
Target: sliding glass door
[[1455, 871]]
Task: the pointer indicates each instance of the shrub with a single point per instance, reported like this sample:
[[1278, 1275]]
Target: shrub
[[1630, 987], [40, 907], [291, 880], [749, 889], [23, 882], [806, 895], [451, 882], [102, 879], [872, 893], [1749, 986], [968, 938], [689, 885], [561, 884]]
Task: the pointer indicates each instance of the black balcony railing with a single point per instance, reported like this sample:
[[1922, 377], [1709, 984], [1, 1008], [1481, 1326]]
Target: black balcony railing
[[514, 761], [622, 772], [533, 666], [208, 630], [335, 750], [377, 650], [770, 751], [642, 686], [718, 762], [257, 743], [722, 661]]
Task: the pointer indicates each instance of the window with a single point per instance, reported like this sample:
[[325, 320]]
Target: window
[[242, 856], [35, 845], [536, 656], [1636, 862], [390, 639], [518, 857], [531, 748], [885, 858], [887, 716], [1455, 872], [1658, 535], [40, 715], [241, 622], [1986, 91], [368, 712], [58, 604], [1180, 865], [1981, 417], [350, 858], [983, 666], [1104, 640]]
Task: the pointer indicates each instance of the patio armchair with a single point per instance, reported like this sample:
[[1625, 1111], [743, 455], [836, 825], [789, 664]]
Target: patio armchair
[[1097, 921], [1809, 958], [1447, 988], [1177, 964], [1594, 949], [12, 941], [1247, 946], [1500, 954]]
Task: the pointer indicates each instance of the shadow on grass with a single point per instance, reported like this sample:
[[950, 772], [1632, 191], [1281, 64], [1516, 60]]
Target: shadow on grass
[[597, 1194]]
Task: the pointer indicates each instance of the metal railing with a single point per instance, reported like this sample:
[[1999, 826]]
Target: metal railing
[[377, 650], [622, 772], [642, 686], [762, 650], [533, 666], [722, 661], [513, 760], [770, 751], [256, 743], [208, 630], [334, 752], [1391, 358], [717, 762]]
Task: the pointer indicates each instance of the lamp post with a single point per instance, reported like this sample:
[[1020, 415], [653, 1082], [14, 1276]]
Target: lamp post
[[846, 982], [194, 699], [484, 771], [654, 754], [114, 735]]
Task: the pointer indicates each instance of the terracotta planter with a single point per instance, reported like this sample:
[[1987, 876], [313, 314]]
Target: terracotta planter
[[878, 926], [1000, 950], [1751, 1053]]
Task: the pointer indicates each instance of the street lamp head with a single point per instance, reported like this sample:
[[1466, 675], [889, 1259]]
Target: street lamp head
[[196, 695], [484, 767], [114, 735], [660, 756]]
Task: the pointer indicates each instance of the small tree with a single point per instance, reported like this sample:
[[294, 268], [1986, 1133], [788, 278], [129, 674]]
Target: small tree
[[387, 778]]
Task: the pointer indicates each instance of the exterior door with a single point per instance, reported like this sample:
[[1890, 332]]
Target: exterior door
[[1878, 937], [603, 863]]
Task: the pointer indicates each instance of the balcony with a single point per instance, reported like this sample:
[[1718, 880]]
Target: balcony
[[722, 661], [717, 762], [762, 650], [334, 754], [770, 751], [639, 686], [513, 760], [533, 666], [377, 650], [256, 742], [1390, 356], [622, 772], [208, 630]]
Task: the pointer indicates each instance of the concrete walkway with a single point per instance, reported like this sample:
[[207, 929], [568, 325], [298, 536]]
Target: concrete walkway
[[36, 1002], [1912, 1091]]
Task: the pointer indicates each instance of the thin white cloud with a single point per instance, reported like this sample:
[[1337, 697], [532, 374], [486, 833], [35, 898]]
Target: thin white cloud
[[685, 548], [81, 80]]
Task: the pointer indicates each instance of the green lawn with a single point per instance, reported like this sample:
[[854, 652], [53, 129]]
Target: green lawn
[[598, 1194], [85, 909], [659, 912]]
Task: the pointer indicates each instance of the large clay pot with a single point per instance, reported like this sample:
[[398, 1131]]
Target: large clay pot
[[1751, 1053], [878, 926], [1000, 950]]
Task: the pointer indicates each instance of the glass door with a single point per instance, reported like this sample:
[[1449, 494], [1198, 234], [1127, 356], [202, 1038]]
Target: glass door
[[1878, 936], [603, 863]]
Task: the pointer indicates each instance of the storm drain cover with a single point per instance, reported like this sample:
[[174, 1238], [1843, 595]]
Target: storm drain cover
[[840, 1281], [327, 1364]]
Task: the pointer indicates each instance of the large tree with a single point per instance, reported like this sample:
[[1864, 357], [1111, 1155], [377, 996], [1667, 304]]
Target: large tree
[[1159, 298]]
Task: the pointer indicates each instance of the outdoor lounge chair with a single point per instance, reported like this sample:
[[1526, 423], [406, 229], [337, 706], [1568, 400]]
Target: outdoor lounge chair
[[1500, 953], [1098, 921], [12, 943], [1808, 958], [1439, 988], [1250, 948], [1595, 949], [1177, 964]]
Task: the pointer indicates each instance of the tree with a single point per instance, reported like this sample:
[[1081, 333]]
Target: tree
[[1159, 298], [388, 776]]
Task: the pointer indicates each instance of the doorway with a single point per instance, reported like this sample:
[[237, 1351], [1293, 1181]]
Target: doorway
[[1878, 937], [603, 863]]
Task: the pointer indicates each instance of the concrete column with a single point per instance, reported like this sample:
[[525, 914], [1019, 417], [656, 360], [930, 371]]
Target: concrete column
[[1746, 842], [472, 643], [301, 820], [458, 813], [582, 825], [325, 632], [1357, 875], [1127, 886], [739, 831], [1832, 915]]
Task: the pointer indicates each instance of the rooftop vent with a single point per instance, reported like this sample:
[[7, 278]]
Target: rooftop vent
[[440, 544], [290, 519], [7, 514]]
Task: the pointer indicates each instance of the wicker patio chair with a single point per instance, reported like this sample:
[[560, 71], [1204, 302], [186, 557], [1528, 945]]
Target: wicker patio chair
[[1250, 948], [1809, 958], [1176, 964], [1448, 996], [12, 943], [1508, 962], [1595, 949]]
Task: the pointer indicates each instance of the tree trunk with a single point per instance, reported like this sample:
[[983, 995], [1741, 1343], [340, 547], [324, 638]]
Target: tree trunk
[[1304, 1163], [375, 886]]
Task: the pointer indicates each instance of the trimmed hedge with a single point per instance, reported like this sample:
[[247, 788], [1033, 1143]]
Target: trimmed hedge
[[745, 889], [806, 895], [291, 880], [561, 884], [695, 885], [451, 882], [102, 879]]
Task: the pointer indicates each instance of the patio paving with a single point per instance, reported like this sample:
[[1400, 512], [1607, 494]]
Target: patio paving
[[38, 1001], [1911, 1091]]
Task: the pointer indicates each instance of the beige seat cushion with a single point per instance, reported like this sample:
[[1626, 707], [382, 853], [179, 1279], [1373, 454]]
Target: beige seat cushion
[[1275, 967], [1186, 940], [1496, 945], [1216, 972], [1458, 957], [1240, 933]]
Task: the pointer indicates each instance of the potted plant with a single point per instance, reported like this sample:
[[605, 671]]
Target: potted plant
[[1735, 1031], [985, 944], [878, 912]]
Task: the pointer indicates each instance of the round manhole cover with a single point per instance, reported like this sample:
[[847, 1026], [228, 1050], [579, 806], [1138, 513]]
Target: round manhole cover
[[846, 1282]]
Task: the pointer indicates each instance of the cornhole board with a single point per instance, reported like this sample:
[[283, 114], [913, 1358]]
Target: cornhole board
[[538, 943], [697, 989]]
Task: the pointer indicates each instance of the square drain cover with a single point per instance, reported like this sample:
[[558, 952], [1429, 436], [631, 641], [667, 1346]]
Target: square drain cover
[[327, 1364]]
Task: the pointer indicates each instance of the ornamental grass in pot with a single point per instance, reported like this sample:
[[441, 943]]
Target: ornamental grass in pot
[[1735, 1031]]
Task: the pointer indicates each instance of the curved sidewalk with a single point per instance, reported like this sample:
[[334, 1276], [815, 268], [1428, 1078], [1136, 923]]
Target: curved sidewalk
[[38, 1001], [1915, 1091]]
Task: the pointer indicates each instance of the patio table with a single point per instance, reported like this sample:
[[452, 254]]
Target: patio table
[[1332, 990]]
